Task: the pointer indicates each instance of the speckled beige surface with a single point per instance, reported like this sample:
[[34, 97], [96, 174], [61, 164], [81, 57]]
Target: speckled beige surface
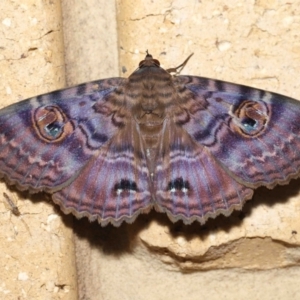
[[90, 39], [249, 42], [37, 255]]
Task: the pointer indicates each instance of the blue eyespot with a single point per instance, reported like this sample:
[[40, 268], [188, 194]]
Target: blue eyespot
[[249, 124], [53, 129]]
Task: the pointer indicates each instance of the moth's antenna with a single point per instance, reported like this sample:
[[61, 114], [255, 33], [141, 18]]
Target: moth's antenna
[[175, 70]]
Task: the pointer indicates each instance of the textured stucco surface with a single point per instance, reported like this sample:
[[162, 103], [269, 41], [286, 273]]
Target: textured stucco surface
[[249, 42]]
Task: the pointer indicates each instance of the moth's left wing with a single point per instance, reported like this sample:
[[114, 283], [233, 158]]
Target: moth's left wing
[[253, 134], [224, 140]]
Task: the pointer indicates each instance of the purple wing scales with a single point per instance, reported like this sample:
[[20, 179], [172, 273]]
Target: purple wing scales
[[46, 140], [80, 145], [191, 185], [245, 129]]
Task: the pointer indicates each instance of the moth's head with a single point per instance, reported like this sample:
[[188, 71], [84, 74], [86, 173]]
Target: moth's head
[[149, 61]]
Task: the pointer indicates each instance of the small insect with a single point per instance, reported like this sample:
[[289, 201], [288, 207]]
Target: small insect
[[14, 208], [188, 146]]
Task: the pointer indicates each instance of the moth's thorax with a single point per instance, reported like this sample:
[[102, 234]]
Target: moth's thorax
[[150, 91]]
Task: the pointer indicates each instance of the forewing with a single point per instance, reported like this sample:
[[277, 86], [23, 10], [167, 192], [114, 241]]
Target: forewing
[[45, 141], [254, 135]]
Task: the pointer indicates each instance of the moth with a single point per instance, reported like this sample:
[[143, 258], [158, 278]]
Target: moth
[[189, 146]]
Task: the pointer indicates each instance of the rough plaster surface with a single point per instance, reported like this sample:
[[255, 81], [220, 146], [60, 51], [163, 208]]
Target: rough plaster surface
[[90, 38], [37, 255], [248, 42]]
